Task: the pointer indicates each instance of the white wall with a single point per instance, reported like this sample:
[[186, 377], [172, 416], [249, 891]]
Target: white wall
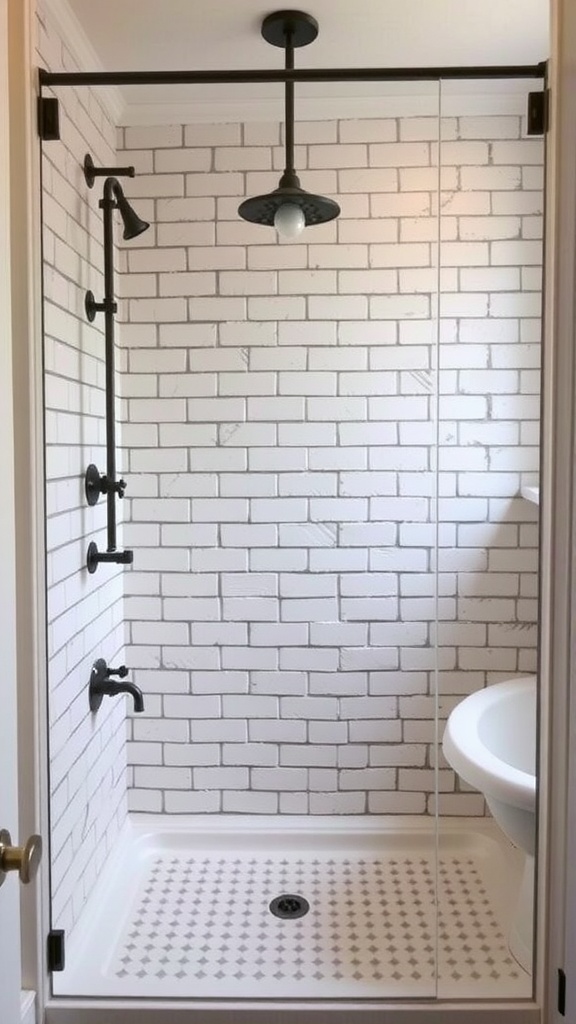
[[281, 405]]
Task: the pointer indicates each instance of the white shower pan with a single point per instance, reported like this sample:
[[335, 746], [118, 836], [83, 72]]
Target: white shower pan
[[184, 913]]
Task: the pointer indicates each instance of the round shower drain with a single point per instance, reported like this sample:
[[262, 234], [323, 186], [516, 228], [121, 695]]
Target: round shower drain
[[289, 906]]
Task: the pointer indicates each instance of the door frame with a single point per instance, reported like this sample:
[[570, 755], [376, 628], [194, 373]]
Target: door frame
[[29, 546], [10, 939], [557, 882], [557, 874]]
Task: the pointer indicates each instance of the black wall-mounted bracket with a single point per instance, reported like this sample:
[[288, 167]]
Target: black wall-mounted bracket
[[92, 307], [48, 119], [96, 483], [56, 949], [537, 113], [95, 557], [561, 992], [91, 172]]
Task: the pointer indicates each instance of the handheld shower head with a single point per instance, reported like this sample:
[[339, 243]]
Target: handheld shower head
[[133, 224]]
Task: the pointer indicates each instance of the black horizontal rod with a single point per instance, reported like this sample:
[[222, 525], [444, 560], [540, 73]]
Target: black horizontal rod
[[55, 78]]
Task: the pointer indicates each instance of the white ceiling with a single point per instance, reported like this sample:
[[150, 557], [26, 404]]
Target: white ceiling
[[122, 35]]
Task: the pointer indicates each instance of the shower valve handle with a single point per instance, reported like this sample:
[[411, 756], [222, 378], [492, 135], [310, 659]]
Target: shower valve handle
[[118, 487], [96, 483], [121, 672]]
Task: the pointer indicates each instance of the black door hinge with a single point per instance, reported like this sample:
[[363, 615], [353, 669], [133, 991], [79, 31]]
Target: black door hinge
[[537, 114], [561, 992], [55, 945], [48, 118]]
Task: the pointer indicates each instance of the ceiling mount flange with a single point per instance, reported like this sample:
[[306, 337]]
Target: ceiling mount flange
[[302, 27]]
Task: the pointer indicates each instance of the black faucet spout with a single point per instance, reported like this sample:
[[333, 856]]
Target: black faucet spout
[[130, 688], [101, 685]]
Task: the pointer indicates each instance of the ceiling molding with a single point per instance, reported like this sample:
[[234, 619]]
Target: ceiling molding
[[320, 109], [85, 56]]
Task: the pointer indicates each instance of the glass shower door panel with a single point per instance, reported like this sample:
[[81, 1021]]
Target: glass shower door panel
[[282, 508], [87, 752], [490, 259], [402, 357]]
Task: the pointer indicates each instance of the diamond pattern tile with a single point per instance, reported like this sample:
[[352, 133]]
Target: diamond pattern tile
[[205, 920]]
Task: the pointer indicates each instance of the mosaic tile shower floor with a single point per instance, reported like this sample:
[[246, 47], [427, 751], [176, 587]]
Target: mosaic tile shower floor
[[198, 923]]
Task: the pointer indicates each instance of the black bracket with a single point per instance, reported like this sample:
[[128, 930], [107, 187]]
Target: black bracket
[[92, 307], [537, 114], [95, 557], [55, 949], [561, 992], [48, 119], [91, 172], [96, 483]]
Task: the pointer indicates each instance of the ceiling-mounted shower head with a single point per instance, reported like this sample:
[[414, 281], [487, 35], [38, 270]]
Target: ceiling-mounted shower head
[[133, 224], [289, 208]]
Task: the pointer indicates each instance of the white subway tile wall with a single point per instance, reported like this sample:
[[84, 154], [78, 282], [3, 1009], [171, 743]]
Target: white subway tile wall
[[287, 407], [88, 774]]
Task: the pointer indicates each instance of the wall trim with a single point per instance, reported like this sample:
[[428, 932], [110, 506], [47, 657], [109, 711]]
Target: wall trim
[[558, 555], [28, 1007], [81, 1011], [28, 424]]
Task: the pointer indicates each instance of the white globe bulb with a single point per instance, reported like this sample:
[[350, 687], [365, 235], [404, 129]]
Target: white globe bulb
[[289, 220]]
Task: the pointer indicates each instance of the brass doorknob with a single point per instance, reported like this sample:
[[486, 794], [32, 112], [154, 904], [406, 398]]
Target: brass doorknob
[[23, 859]]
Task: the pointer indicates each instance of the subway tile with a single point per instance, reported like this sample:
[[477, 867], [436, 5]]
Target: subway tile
[[216, 184], [221, 778], [192, 802], [251, 609], [275, 560], [341, 307], [250, 803], [277, 465], [369, 130], [278, 779], [153, 138]]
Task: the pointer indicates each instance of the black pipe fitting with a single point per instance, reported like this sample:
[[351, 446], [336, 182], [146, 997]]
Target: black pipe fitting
[[96, 483], [95, 557], [91, 172]]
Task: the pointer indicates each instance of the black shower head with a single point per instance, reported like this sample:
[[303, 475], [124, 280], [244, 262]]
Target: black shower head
[[133, 225]]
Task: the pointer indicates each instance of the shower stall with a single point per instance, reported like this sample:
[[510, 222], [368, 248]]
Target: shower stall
[[329, 448]]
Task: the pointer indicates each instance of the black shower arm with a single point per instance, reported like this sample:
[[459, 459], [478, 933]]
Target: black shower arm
[[111, 192]]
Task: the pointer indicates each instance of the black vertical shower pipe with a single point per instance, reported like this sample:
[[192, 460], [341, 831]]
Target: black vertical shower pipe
[[108, 484], [289, 105], [107, 205]]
